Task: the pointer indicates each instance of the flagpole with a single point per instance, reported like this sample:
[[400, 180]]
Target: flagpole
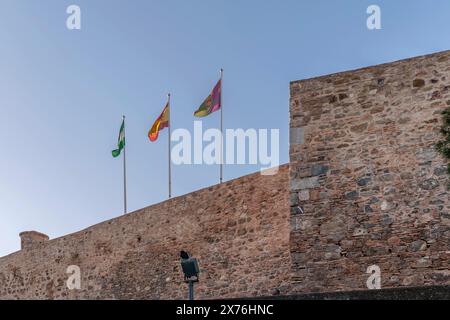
[[169, 146], [124, 172], [221, 127]]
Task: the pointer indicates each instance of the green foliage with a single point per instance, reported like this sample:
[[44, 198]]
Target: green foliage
[[443, 146]]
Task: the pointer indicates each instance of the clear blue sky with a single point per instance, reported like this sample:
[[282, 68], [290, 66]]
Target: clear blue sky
[[62, 93]]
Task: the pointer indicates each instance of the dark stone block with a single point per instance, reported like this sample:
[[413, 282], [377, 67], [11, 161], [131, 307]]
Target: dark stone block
[[352, 195], [419, 245], [296, 210], [319, 169], [417, 83], [294, 200], [333, 99], [374, 200], [429, 184], [387, 221], [343, 96], [363, 182], [440, 171]]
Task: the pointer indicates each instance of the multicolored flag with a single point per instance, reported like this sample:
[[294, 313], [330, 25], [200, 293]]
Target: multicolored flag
[[212, 103], [121, 141], [160, 123]]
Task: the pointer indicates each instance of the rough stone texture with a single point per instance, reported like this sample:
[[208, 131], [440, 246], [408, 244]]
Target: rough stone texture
[[28, 239], [372, 189], [239, 231], [366, 187], [404, 293]]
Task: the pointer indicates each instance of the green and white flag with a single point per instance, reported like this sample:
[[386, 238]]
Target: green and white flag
[[121, 141]]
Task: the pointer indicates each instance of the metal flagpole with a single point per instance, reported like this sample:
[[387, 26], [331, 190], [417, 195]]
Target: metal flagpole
[[169, 146], [124, 171], [221, 127]]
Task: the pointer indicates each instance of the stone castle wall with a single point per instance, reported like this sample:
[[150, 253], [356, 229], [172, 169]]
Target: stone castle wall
[[367, 186], [239, 231]]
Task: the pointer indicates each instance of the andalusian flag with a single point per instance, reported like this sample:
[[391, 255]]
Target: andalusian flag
[[160, 123], [121, 141], [212, 104]]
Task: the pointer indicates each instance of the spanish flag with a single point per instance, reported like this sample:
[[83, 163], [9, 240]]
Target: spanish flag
[[161, 123]]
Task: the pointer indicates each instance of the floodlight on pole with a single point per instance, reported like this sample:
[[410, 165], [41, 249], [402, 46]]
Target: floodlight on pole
[[191, 271]]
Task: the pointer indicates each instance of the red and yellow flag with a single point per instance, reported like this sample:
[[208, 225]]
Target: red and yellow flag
[[161, 123]]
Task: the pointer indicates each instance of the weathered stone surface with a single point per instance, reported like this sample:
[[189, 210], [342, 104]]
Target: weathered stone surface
[[359, 128], [31, 239], [297, 136], [294, 199], [409, 292], [352, 195], [305, 183], [429, 184], [384, 198], [417, 83], [303, 195], [319, 169], [332, 228], [387, 205], [424, 262], [297, 210], [418, 245], [363, 182], [332, 252], [426, 154], [441, 171], [237, 230], [366, 188]]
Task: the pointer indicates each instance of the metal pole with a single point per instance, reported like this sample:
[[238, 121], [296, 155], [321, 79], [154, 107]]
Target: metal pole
[[124, 172], [169, 146], [221, 126], [191, 290]]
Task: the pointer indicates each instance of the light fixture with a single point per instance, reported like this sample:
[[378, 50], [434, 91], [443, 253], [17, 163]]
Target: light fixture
[[191, 271]]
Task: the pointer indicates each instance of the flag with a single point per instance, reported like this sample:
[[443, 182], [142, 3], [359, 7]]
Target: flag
[[160, 123], [212, 103], [121, 141]]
